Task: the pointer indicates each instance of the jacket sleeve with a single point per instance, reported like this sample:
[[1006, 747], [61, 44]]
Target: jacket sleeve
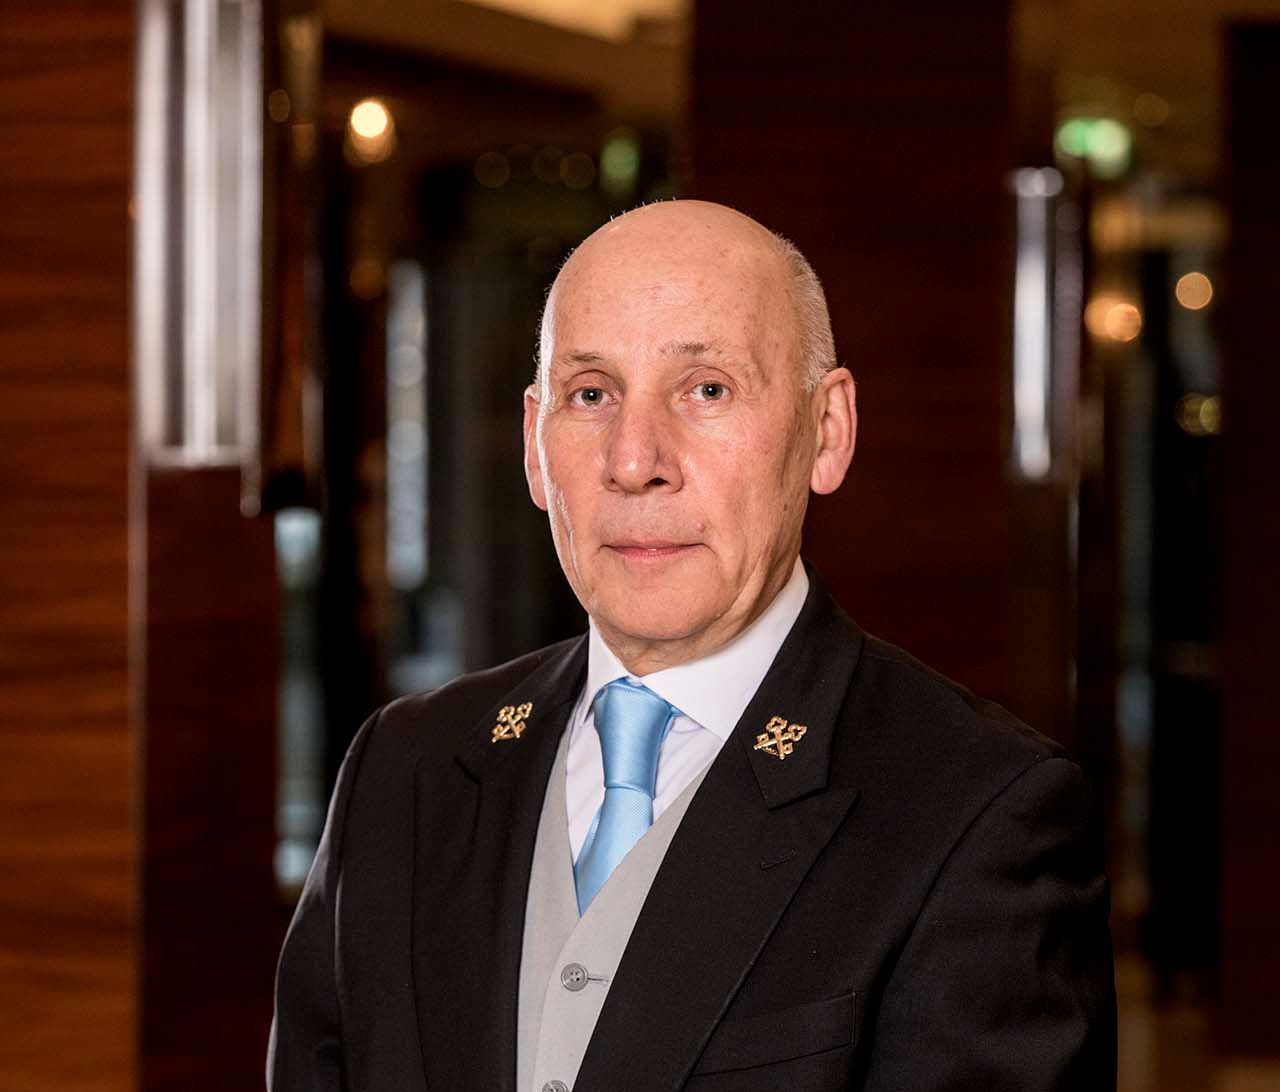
[[304, 1053], [1007, 980]]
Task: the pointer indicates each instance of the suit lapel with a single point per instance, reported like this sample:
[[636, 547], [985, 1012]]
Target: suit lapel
[[473, 852], [748, 839]]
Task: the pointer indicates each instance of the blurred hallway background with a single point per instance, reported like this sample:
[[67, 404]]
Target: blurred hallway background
[[271, 277]]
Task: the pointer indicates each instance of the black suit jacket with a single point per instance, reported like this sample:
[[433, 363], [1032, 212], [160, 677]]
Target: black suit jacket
[[914, 899]]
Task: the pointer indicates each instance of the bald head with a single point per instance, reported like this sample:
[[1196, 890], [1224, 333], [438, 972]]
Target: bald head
[[719, 241]]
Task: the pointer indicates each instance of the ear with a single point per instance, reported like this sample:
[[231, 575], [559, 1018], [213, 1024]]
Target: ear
[[532, 463], [837, 406]]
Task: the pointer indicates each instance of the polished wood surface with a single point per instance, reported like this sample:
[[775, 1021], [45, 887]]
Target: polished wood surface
[[1250, 821], [211, 926], [881, 150], [67, 861]]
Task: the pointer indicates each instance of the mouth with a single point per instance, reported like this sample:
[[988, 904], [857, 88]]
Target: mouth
[[649, 550]]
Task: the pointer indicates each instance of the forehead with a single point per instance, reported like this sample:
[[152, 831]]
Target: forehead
[[726, 298]]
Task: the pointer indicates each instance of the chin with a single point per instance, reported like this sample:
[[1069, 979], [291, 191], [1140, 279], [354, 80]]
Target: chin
[[653, 617]]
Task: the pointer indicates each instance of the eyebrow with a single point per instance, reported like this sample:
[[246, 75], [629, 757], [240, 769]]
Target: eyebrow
[[688, 348], [669, 348], [582, 356]]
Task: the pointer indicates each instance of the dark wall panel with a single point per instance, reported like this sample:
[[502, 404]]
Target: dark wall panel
[[878, 141], [1251, 587], [211, 928], [67, 862]]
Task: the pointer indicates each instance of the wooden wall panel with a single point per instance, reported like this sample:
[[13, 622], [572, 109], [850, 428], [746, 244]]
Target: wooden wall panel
[[1250, 966], [212, 922], [878, 140], [67, 862]]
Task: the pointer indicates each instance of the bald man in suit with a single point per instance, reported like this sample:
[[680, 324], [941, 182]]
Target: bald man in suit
[[725, 840]]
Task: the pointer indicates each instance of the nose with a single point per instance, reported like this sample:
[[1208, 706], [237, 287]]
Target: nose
[[640, 455]]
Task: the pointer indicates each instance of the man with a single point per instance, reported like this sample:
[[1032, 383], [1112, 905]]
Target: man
[[725, 841]]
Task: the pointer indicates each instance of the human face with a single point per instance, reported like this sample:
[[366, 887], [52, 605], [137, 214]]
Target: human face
[[670, 441]]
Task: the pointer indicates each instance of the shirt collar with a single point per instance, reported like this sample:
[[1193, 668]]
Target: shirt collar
[[714, 690]]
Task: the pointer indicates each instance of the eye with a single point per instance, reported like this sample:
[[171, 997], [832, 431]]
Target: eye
[[588, 396], [711, 392]]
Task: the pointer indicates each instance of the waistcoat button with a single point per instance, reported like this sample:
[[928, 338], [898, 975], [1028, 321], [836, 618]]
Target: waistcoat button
[[573, 977], [555, 1086]]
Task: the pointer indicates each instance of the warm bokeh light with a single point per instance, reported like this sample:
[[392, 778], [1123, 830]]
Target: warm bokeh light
[[1095, 315], [1193, 291], [1211, 415], [1199, 414], [1123, 322], [1110, 318], [369, 119], [371, 133], [278, 105]]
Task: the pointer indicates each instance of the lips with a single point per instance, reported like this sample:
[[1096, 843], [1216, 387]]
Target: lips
[[644, 550]]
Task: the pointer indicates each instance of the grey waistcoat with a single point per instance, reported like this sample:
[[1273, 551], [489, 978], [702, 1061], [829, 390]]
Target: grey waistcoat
[[558, 1006]]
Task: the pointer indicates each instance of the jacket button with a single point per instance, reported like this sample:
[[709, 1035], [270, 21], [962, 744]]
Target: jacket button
[[573, 977], [555, 1086]]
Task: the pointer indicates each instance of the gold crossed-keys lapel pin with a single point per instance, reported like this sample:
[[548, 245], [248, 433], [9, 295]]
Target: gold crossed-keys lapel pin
[[779, 738], [511, 721]]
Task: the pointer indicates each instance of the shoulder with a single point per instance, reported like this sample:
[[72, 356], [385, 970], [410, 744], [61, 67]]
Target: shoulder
[[934, 705], [403, 728], [931, 749]]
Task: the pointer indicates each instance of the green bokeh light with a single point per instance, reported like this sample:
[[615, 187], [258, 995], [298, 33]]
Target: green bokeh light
[[1105, 144], [620, 161]]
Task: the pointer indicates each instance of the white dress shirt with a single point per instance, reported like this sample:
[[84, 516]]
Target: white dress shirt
[[711, 695]]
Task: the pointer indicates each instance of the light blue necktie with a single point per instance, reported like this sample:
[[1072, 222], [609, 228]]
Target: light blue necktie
[[632, 722]]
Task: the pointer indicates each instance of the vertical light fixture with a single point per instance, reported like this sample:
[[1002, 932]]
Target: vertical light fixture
[[198, 230], [407, 451], [1034, 191]]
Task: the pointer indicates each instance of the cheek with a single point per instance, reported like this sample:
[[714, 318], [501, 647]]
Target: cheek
[[741, 478], [556, 455], [763, 476], [568, 476], [770, 452]]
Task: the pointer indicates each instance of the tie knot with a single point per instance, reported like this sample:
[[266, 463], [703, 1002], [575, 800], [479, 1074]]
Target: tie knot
[[632, 722]]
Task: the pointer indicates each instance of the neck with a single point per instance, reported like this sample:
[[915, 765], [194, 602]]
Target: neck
[[641, 656]]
